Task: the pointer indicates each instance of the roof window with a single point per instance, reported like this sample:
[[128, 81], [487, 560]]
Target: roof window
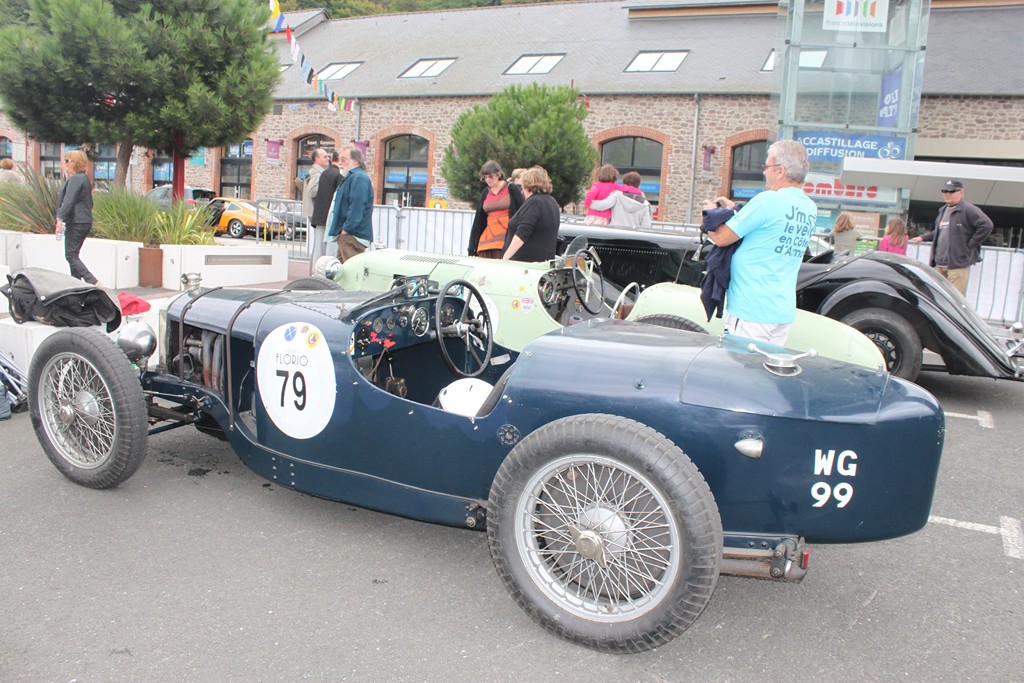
[[812, 59], [425, 68], [533, 64], [338, 70], [657, 61]]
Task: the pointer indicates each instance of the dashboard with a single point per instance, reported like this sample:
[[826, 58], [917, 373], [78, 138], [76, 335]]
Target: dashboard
[[401, 324]]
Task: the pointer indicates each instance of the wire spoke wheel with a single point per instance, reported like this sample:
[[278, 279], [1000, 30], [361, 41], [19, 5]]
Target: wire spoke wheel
[[605, 532], [596, 536], [77, 411], [88, 409]]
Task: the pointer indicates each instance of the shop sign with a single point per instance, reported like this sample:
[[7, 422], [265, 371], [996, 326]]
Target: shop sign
[[823, 145], [826, 187], [866, 16]]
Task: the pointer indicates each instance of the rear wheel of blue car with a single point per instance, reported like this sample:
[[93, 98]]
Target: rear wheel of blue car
[[88, 408], [894, 336], [605, 533]]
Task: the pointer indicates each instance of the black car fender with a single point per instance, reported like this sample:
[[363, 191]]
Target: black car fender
[[861, 294]]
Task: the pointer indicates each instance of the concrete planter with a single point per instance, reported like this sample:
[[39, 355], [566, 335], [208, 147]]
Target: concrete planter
[[116, 263], [225, 266]]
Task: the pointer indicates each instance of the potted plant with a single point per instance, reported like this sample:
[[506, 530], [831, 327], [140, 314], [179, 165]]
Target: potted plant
[[123, 215]]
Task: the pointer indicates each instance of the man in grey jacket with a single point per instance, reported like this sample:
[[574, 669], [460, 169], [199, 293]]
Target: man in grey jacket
[[315, 234], [960, 229]]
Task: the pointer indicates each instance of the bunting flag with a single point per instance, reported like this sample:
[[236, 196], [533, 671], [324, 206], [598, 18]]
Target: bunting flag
[[276, 16], [334, 103]]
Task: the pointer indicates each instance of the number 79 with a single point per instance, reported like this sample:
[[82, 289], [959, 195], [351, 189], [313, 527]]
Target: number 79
[[298, 388]]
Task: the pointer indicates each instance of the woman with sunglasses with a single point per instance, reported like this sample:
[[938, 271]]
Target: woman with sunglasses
[[74, 212]]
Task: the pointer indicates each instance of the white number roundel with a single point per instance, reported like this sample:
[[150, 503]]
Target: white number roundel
[[295, 375]]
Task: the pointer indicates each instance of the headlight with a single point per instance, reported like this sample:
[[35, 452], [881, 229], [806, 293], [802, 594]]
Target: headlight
[[327, 266]]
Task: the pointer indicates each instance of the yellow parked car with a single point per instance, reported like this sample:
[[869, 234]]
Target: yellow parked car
[[238, 217]]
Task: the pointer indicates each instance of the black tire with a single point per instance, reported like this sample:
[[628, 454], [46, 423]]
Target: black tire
[[605, 474], [88, 408], [313, 282], [236, 228], [674, 322], [894, 336]]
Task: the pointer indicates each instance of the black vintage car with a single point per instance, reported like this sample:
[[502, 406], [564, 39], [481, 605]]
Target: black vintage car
[[901, 304]]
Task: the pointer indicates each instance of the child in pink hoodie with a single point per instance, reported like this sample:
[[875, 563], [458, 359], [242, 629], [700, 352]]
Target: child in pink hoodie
[[605, 184]]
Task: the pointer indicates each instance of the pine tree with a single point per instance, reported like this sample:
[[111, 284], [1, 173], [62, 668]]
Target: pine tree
[[522, 126], [167, 74]]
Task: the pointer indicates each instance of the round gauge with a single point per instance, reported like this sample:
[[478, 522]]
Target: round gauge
[[390, 323], [447, 313], [403, 320], [378, 325], [420, 322], [547, 291]]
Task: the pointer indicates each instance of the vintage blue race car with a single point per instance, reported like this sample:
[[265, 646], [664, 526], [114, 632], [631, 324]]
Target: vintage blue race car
[[617, 467]]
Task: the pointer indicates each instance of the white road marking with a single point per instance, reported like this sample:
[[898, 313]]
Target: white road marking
[[983, 417], [1013, 537], [1009, 529]]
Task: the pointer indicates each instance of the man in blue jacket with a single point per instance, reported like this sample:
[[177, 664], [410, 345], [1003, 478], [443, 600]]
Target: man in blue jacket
[[351, 222]]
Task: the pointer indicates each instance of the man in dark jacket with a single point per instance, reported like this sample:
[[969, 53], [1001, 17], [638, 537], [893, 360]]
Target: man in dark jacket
[[330, 178], [352, 221], [960, 229]]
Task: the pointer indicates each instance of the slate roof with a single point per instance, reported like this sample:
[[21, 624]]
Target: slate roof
[[970, 51]]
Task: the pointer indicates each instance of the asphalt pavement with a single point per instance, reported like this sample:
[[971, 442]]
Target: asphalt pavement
[[198, 570]]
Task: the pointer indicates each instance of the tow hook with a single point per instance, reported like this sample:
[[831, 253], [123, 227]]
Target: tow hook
[[789, 561], [476, 514]]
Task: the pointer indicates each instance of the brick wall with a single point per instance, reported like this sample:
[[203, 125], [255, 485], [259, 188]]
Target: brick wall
[[724, 121]]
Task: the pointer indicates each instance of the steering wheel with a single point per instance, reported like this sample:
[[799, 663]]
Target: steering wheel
[[622, 299], [585, 266], [473, 327]]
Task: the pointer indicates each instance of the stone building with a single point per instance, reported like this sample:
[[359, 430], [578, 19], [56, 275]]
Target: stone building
[[679, 91]]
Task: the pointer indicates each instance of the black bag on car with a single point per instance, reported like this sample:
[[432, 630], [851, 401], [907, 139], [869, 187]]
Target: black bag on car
[[60, 300]]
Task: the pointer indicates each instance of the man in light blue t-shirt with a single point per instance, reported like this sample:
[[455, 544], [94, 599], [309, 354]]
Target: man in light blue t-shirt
[[775, 227]]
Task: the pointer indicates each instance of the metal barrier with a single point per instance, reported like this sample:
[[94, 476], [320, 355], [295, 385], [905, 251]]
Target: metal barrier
[[295, 232], [995, 288]]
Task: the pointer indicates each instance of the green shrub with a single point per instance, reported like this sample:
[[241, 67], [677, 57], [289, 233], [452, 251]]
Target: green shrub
[[182, 224], [124, 215], [31, 206]]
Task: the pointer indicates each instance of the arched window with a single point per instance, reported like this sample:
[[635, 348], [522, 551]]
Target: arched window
[[304, 155], [747, 175], [642, 155], [405, 170], [236, 170], [6, 148]]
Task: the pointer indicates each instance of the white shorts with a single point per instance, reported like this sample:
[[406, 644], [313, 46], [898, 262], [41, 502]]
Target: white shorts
[[765, 332]]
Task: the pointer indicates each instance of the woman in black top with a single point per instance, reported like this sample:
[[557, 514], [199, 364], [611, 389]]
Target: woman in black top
[[533, 230], [74, 212]]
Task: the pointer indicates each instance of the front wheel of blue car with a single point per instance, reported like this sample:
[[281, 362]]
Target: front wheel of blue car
[[88, 408], [605, 533]]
